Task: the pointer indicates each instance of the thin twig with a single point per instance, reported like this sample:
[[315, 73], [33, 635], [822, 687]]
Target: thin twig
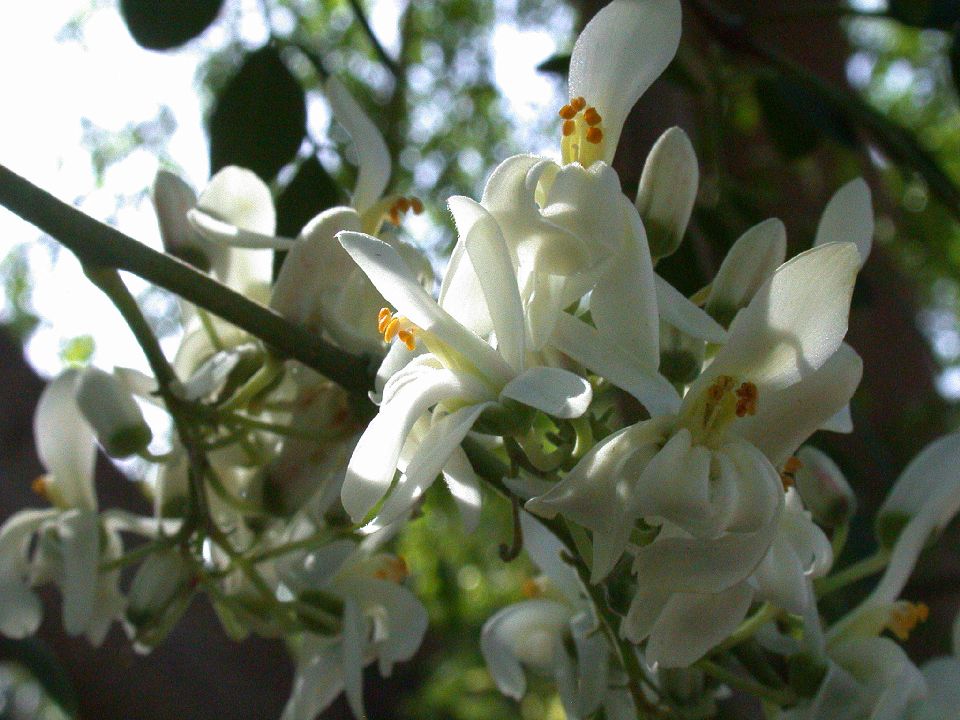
[[377, 46]]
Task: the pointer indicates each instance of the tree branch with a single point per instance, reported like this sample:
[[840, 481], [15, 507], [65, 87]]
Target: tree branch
[[98, 244]]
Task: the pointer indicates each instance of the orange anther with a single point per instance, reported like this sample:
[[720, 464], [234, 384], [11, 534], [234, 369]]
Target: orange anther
[[383, 318], [578, 103], [393, 569], [905, 617], [416, 205], [402, 204], [531, 589], [789, 475], [408, 339], [394, 216], [747, 399], [594, 135], [39, 486], [568, 127], [568, 112], [721, 386], [391, 330], [592, 117]]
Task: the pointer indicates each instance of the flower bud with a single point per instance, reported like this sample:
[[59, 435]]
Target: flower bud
[[668, 189], [748, 264], [159, 594], [681, 355], [115, 416], [823, 488], [930, 483]]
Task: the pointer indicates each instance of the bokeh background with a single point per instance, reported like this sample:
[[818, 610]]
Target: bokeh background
[[785, 100]]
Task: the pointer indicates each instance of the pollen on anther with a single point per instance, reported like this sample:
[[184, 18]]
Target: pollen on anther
[[408, 339], [391, 329], [402, 204], [568, 112], [383, 317], [416, 205], [393, 569], [578, 103], [594, 135], [790, 469], [747, 396], [592, 117], [906, 617], [568, 127], [39, 486]]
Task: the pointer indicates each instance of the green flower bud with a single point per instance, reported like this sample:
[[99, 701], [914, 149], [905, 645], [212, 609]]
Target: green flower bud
[[110, 409]]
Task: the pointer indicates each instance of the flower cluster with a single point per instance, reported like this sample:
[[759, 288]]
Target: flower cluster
[[655, 442]]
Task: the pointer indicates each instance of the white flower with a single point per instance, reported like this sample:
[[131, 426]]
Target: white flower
[[942, 675], [70, 545], [461, 376]]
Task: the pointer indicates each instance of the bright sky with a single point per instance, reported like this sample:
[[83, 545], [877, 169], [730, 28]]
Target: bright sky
[[48, 86]]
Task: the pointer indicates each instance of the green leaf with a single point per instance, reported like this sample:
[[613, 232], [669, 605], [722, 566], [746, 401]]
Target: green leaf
[[940, 14], [259, 118], [557, 64], [797, 118], [164, 24]]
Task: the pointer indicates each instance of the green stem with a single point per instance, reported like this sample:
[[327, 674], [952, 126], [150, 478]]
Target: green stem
[[749, 627], [746, 684], [97, 244], [209, 328], [141, 552], [259, 382], [250, 423], [852, 573], [839, 539], [377, 46]]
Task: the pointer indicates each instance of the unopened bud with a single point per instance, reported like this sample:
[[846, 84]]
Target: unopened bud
[[748, 265], [114, 415], [681, 355], [823, 488], [159, 594], [668, 190]]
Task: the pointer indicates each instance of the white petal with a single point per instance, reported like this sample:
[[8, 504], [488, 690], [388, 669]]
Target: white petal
[[585, 345], [172, 198], [20, 609], [677, 310], [372, 154], [65, 442], [238, 197], [621, 51], [433, 453], [823, 487], [80, 544], [841, 422], [544, 550], [668, 190], [786, 418], [317, 683], [371, 468], [225, 233], [555, 391], [691, 624], [624, 302], [943, 682], [488, 251], [848, 217], [794, 323], [464, 486], [402, 620], [750, 262], [316, 261], [393, 278], [461, 292]]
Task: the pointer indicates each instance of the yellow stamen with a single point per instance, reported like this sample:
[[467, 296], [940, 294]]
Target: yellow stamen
[[568, 112], [395, 326], [383, 318], [789, 475], [578, 103], [592, 117], [905, 616], [721, 386], [416, 205], [747, 399], [39, 486], [531, 589], [568, 127], [393, 569], [594, 135], [407, 338]]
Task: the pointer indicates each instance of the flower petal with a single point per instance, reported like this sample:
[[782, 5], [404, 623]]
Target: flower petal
[[599, 354], [65, 443], [488, 251], [318, 681], [545, 550], [786, 418], [80, 544], [691, 624], [794, 323], [621, 51], [680, 312], [237, 196], [225, 233], [373, 157], [848, 217], [464, 486], [555, 391], [353, 648]]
